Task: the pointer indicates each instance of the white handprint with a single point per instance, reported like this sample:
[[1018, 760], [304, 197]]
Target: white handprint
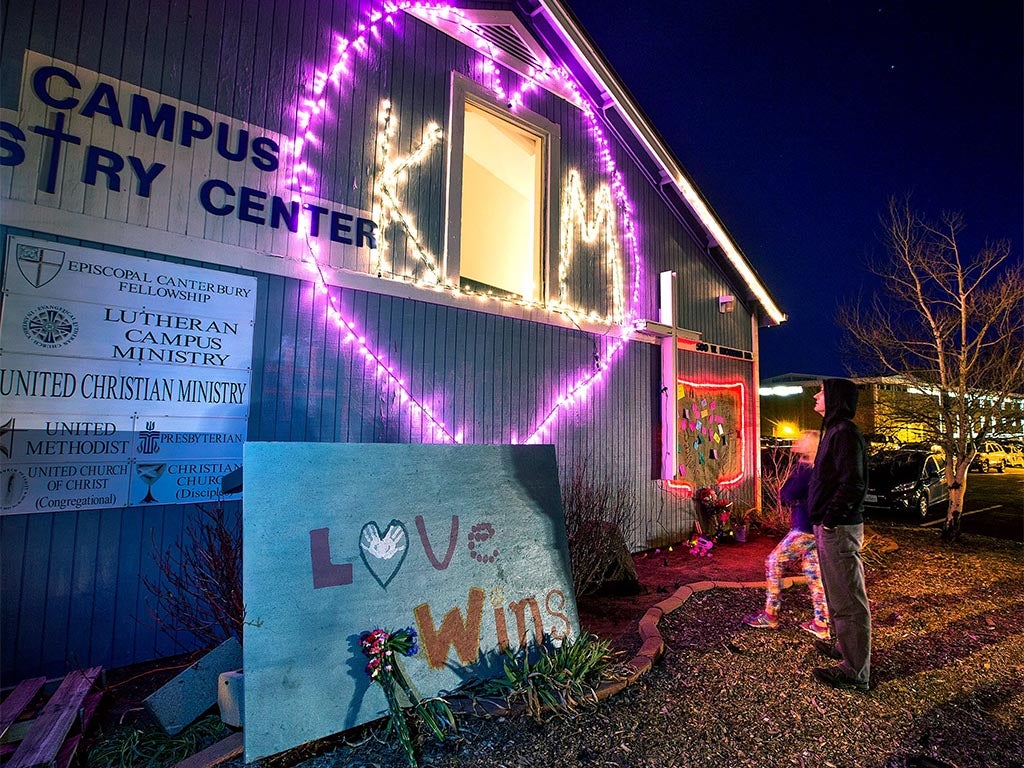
[[383, 548]]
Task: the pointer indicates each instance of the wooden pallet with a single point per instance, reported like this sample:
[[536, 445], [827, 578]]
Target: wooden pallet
[[50, 739]]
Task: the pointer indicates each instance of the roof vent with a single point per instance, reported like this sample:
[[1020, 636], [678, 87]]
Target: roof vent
[[507, 38], [499, 35]]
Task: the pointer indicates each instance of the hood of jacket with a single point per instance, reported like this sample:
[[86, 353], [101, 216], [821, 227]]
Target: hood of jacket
[[840, 399]]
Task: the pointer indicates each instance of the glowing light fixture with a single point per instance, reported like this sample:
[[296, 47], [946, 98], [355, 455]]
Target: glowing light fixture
[[390, 208], [599, 228], [780, 391]]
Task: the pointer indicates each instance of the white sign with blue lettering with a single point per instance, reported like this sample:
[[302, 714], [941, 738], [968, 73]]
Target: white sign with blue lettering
[[85, 143], [123, 381]]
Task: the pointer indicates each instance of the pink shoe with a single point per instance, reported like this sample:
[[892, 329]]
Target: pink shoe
[[761, 620], [820, 631]]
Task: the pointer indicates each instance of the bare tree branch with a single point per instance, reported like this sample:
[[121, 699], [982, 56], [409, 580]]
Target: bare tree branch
[[949, 326]]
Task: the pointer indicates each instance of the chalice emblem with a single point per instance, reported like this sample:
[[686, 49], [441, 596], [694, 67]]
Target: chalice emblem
[[149, 474]]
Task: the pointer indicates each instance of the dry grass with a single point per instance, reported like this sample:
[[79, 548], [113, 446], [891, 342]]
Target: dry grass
[[948, 683]]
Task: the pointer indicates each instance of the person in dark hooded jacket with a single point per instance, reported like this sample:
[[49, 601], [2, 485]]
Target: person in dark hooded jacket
[[836, 505]]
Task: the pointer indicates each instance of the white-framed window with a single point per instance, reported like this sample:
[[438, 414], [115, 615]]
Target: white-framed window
[[501, 200]]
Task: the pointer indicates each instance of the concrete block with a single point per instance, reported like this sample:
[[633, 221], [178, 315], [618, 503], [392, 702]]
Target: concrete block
[[194, 691], [640, 665], [648, 628], [652, 648], [654, 614], [230, 697]]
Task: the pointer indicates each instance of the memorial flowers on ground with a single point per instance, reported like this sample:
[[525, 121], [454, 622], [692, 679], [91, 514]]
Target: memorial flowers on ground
[[384, 651], [716, 513]]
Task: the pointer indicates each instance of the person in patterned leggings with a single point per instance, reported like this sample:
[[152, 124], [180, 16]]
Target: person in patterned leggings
[[798, 544]]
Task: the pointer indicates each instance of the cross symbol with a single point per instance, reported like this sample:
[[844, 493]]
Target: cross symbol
[[37, 256]]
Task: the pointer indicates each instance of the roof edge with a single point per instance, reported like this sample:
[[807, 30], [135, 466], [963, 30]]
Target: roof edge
[[589, 55]]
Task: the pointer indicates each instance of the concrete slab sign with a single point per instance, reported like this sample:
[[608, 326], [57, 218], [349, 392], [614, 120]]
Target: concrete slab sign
[[464, 543]]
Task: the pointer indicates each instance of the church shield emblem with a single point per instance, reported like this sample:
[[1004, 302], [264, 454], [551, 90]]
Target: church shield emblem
[[39, 265]]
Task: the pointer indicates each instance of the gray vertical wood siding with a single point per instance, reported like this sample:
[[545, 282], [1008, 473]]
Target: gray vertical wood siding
[[72, 582]]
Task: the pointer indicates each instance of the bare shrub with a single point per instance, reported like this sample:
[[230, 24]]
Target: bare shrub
[[948, 323], [776, 467], [200, 584], [599, 513]]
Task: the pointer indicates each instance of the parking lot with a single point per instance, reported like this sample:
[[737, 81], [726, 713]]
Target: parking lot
[[994, 506]]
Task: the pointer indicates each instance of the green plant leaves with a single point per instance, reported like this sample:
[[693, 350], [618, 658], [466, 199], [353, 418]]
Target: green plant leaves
[[548, 681]]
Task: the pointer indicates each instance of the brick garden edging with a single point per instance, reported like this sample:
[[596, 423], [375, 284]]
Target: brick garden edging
[[652, 643]]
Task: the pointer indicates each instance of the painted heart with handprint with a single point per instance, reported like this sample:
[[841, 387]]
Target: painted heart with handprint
[[383, 552]]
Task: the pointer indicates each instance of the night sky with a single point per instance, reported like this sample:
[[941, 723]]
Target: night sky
[[799, 120]]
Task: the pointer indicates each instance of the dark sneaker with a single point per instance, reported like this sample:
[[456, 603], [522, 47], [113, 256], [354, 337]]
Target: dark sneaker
[[836, 678], [825, 648]]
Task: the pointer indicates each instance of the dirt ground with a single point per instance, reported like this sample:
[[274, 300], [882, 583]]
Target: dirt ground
[[946, 683], [946, 691], [611, 617]]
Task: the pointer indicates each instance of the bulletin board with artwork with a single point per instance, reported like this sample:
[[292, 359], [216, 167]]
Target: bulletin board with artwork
[[709, 433]]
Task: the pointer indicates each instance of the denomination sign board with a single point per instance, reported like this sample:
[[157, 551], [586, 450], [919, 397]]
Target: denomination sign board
[[123, 381], [464, 543]]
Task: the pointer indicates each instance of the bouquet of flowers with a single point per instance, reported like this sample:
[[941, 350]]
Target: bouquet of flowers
[[715, 509], [383, 650]]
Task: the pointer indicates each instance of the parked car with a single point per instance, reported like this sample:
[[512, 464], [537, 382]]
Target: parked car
[[926, 445], [878, 442], [1014, 454], [906, 482], [990, 455]]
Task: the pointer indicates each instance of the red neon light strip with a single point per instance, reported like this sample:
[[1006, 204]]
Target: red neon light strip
[[723, 482]]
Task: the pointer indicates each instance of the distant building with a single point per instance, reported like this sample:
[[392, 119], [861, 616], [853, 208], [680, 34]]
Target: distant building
[[787, 408]]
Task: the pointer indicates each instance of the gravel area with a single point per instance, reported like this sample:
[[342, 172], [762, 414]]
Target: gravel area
[[948, 683]]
